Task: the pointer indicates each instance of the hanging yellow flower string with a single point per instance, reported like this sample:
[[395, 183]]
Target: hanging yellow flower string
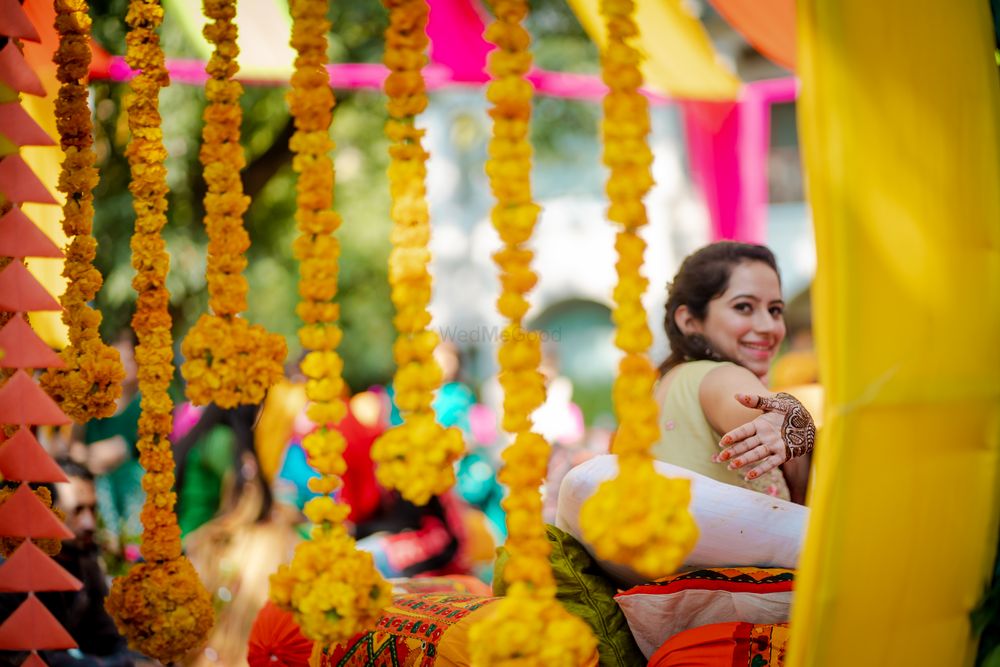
[[639, 518], [538, 630], [332, 588], [416, 457], [226, 360], [160, 606], [90, 383]]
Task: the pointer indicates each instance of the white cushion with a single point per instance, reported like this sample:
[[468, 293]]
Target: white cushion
[[737, 527]]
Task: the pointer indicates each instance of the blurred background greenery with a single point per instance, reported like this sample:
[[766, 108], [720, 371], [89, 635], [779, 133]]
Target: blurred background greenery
[[361, 192]]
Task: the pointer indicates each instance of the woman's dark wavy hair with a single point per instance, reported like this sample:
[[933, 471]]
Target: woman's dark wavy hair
[[703, 276]]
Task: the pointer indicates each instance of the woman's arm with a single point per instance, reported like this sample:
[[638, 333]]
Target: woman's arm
[[717, 392], [760, 427], [796, 471]]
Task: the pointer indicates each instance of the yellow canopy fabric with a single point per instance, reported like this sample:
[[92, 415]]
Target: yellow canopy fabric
[[46, 162], [681, 60], [900, 123]]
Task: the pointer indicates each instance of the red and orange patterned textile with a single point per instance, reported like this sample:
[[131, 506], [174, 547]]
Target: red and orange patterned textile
[[725, 645], [415, 631]]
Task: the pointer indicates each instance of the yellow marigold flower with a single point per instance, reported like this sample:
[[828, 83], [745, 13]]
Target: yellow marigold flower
[[326, 413], [320, 336], [162, 608], [332, 588], [324, 484], [404, 453], [90, 383], [230, 362], [325, 509], [537, 632], [661, 531]]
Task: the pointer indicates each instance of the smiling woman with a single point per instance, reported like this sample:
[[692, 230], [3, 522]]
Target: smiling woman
[[725, 323]]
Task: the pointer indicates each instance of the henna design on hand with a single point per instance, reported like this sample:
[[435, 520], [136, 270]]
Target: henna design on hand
[[798, 431]]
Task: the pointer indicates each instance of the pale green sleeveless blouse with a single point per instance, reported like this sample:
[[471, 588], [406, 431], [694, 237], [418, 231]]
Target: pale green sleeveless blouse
[[689, 441]]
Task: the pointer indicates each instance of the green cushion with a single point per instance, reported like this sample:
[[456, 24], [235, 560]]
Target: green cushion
[[584, 590]]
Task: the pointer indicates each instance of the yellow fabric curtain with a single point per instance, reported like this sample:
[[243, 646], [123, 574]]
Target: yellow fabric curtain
[[900, 125], [681, 59], [45, 161]]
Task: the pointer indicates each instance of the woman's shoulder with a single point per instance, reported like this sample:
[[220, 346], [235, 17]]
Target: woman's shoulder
[[726, 377], [688, 377], [697, 371]]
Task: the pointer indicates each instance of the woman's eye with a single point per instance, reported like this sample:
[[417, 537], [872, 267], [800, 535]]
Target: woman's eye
[[743, 308], [777, 311]]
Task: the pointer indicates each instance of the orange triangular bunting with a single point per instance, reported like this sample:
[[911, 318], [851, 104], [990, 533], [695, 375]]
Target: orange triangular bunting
[[32, 626], [30, 569], [24, 402], [34, 661], [21, 292], [19, 184], [22, 459], [17, 125], [22, 348], [16, 73], [20, 237], [14, 23], [24, 515]]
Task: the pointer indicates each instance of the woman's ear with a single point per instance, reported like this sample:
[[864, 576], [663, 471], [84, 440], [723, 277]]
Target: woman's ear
[[686, 321]]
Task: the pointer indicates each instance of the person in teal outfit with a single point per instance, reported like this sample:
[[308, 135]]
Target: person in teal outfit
[[476, 480]]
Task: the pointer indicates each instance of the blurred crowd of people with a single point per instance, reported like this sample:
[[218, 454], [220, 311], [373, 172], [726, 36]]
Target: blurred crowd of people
[[242, 481]]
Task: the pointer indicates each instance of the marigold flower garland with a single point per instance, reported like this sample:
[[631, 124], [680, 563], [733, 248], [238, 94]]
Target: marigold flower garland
[[332, 588], [91, 382], [538, 630], [660, 528], [416, 457], [226, 360], [160, 606]]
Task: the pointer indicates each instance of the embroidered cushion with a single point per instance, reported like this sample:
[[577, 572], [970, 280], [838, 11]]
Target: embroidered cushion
[[660, 610], [730, 644], [417, 630], [453, 583]]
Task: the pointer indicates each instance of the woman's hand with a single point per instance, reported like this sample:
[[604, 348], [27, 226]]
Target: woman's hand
[[784, 430]]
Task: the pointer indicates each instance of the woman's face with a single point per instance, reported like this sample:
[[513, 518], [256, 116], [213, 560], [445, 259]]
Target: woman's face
[[746, 323]]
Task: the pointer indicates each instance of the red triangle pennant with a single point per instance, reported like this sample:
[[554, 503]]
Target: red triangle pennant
[[14, 23], [19, 184], [22, 459], [34, 661], [21, 292], [17, 125], [23, 348], [32, 626], [24, 515], [20, 237], [16, 73], [24, 402], [31, 569]]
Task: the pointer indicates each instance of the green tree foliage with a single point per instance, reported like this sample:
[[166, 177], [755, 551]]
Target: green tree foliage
[[361, 195]]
